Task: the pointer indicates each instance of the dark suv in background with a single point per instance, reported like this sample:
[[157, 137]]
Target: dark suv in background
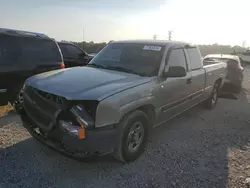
[[23, 54], [73, 55]]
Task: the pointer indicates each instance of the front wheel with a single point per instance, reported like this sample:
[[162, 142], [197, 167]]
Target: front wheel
[[17, 104], [132, 137], [211, 102]]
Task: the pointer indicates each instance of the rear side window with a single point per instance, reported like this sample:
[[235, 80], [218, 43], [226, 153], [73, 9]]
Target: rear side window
[[41, 51], [70, 51], [195, 58], [177, 58], [9, 51]]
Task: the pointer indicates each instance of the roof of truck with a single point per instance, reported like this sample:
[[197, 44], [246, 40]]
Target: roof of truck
[[148, 41]]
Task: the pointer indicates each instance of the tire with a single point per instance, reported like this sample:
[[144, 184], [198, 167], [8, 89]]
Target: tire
[[132, 136], [17, 101], [211, 102]]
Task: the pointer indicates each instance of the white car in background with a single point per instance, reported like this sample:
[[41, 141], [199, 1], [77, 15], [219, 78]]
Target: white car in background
[[244, 56], [234, 77]]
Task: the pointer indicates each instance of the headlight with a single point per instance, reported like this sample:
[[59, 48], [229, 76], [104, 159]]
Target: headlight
[[73, 129], [77, 122], [82, 117], [79, 118]]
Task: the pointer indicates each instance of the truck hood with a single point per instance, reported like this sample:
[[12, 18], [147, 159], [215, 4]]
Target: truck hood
[[85, 83]]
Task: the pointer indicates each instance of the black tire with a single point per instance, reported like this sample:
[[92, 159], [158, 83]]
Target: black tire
[[17, 107], [211, 102], [17, 101], [125, 150]]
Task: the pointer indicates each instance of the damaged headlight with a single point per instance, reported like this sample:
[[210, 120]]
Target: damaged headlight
[[73, 129], [79, 118], [83, 117]]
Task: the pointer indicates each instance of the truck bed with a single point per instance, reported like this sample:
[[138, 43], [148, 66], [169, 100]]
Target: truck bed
[[214, 71]]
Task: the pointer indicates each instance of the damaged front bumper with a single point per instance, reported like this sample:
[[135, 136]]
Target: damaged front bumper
[[97, 141], [65, 126]]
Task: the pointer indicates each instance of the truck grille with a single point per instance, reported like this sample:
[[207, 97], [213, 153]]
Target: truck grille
[[51, 97], [35, 115], [41, 107]]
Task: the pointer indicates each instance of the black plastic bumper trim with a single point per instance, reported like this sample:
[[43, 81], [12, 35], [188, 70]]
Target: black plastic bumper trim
[[97, 142]]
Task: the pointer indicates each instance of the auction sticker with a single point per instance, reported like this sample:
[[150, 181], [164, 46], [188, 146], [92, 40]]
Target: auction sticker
[[153, 48]]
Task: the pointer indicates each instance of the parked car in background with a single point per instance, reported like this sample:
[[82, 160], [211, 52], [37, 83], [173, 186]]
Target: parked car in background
[[234, 77], [92, 55], [74, 55], [110, 105], [244, 56], [23, 54]]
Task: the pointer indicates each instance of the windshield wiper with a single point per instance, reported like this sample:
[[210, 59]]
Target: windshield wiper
[[96, 65], [124, 70]]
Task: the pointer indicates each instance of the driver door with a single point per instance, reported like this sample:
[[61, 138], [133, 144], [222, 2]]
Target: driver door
[[175, 92]]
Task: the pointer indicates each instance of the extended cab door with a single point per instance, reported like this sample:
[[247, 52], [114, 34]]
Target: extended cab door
[[195, 62], [175, 92]]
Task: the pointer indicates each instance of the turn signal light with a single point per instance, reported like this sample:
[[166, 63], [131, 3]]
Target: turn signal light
[[62, 66], [81, 133]]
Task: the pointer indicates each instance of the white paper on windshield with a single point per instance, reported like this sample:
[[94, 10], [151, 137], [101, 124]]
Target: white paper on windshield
[[152, 48]]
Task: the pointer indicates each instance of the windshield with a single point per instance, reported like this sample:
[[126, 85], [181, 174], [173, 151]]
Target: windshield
[[141, 59]]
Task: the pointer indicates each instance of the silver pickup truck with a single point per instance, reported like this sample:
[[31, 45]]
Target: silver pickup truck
[[110, 105]]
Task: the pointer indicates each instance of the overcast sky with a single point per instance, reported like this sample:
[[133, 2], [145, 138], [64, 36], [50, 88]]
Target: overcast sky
[[195, 21]]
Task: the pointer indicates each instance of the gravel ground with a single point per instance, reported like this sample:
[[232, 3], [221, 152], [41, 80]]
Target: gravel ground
[[200, 148]]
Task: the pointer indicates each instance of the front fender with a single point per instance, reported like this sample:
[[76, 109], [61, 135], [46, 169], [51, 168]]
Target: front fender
[[110, 113], [112, 109]]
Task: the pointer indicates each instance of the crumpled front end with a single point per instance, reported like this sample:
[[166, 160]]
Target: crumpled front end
[[67, 126]]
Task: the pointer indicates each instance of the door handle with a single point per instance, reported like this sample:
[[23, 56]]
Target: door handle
[[189, 80]]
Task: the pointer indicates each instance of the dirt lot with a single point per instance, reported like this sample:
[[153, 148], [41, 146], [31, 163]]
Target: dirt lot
[[4, 110], [200, 148]]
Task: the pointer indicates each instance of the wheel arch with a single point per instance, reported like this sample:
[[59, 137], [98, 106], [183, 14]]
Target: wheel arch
[[218, 82], [148, 109]]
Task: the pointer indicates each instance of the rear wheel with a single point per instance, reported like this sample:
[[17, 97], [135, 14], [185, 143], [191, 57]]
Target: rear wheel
[[211, 102], [132, 137]]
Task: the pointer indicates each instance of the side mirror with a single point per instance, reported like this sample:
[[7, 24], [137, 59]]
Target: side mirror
[[175, 71]]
